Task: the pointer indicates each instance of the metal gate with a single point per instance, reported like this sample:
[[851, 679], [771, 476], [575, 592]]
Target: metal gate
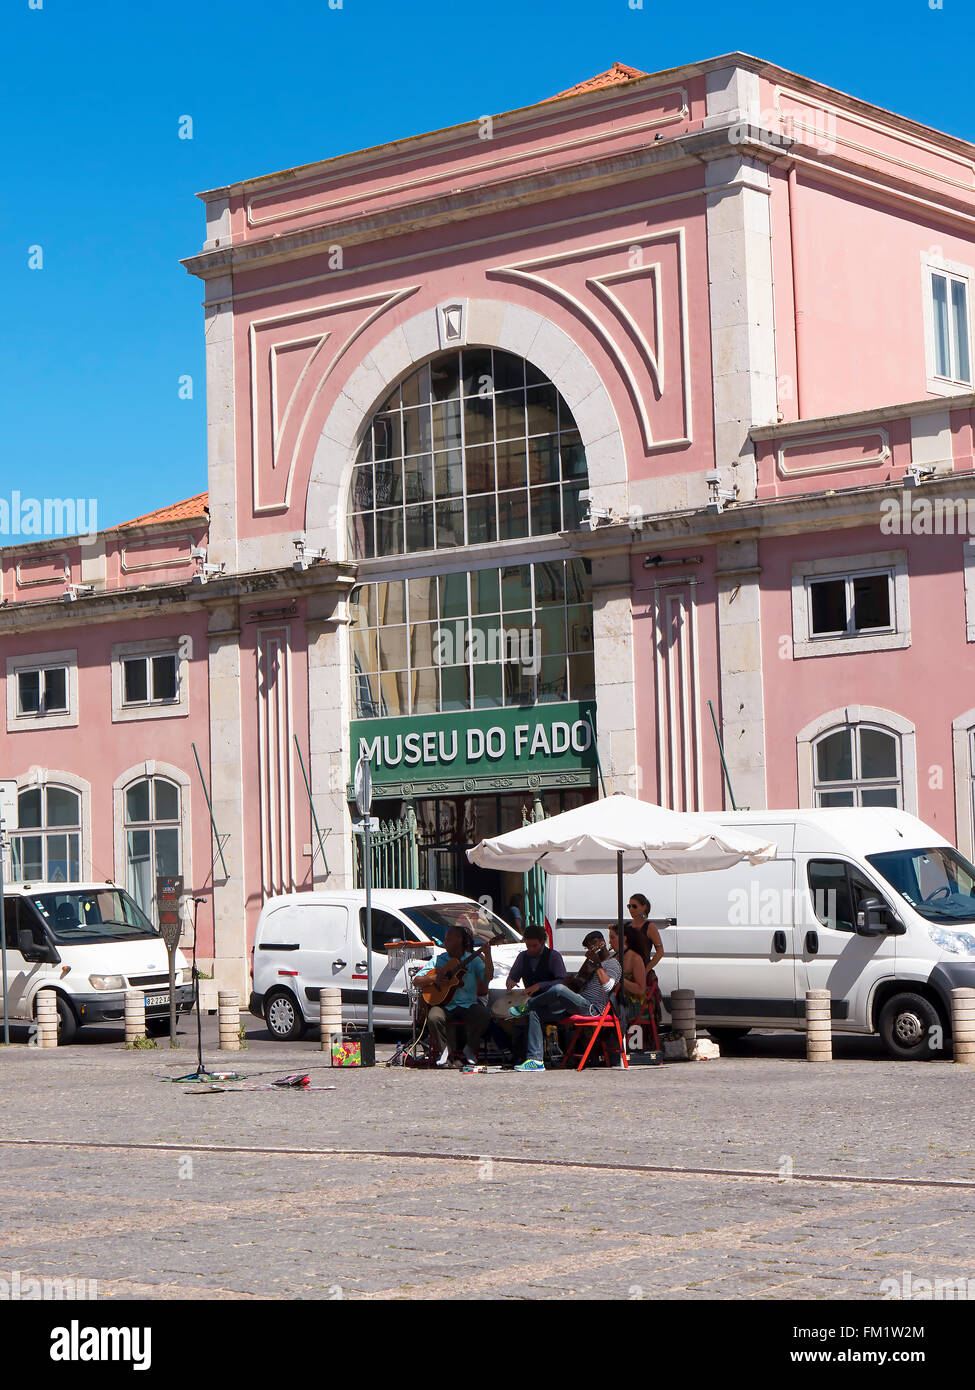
[[535, 878], [394, 853]]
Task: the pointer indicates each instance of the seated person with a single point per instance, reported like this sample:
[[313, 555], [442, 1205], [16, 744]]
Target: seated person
[[466, 1004], [600, 976], [536, 968]]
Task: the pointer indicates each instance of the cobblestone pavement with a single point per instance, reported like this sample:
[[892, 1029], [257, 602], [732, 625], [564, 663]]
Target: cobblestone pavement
[[181, 1222]]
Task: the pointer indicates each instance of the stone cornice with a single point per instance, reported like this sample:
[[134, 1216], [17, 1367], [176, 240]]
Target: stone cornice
[[842, 509], [156, 600], [664, 156], [788, 429]]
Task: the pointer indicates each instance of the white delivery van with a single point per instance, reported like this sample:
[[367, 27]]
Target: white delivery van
[[313, 940], [869, 903], [90, 943]]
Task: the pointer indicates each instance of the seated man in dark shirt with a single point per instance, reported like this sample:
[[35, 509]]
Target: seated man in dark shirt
[[536, 968]]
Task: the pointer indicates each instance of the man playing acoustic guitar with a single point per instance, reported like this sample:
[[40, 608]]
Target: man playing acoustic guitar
[[464, 1005]]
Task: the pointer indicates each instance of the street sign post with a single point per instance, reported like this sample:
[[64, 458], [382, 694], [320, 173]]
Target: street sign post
[[363, 800], [8, 822], [169, 893]]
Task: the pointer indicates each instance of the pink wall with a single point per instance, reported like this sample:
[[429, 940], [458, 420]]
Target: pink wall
[[99, 751], [929, 683]]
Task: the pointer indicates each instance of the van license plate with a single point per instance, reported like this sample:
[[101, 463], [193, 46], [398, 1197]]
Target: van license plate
[[154, 1001]]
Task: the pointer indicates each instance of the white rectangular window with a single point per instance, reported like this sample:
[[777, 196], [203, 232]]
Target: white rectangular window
[[947, 324], [150, 680], [42, 691], [952, 353], [851, 604]]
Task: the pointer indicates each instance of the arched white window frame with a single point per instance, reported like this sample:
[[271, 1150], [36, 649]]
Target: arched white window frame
[[883, 719], [137, 773], [49, 777]]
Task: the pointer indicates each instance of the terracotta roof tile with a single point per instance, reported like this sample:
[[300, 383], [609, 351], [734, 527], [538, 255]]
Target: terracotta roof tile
[[612, 77], [190, 509]]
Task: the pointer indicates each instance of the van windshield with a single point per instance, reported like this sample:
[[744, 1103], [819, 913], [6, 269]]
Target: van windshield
[[103, 914], [435, 918], [938, 883]]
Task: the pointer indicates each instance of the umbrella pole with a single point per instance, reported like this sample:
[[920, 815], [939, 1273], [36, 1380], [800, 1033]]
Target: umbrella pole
[[620, 931]]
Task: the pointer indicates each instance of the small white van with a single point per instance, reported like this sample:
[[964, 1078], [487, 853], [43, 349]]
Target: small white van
[[90, 943], [308, 941], [869, 903]]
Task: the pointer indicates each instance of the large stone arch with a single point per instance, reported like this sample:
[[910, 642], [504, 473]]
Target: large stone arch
[[486, 323]]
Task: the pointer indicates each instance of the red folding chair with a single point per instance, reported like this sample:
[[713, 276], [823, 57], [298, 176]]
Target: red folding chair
[[597, 1024]]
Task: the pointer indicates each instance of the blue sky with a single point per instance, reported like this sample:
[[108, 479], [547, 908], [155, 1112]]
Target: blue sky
[[96, 341]]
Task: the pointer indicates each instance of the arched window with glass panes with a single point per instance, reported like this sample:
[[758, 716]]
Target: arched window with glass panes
[[152, 836], [47, 844], [857, 765], [474, 446]]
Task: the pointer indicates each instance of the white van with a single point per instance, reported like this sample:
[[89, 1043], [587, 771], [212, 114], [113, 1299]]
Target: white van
[[307, 941], [869, 903], [90, 943]]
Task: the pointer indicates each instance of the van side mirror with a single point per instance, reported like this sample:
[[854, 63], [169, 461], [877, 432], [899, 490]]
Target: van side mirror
[[875, 918], [34, 951]]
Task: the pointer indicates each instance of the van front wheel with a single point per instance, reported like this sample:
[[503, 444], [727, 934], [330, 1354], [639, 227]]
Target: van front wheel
[[283, 1016], [911, 1028]]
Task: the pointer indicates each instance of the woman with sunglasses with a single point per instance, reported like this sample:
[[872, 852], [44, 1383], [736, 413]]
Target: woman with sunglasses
[[639, 909]]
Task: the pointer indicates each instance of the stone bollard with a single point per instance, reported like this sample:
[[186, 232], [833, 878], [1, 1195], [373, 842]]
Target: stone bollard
[[135, 1015], [819, 1026], [47, 1018], [683, 1016], [963, 1025], [228, 1020], [330, 1005]]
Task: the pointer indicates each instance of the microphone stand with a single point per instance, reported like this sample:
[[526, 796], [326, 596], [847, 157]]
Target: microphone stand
[[201, 1072]]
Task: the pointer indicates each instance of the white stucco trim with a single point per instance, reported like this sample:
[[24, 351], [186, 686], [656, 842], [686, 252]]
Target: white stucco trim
[[843, 566], [859, 714], [157, 646], [489, 323], [152, 768], [50, 777], [964, 772], [37, 661]]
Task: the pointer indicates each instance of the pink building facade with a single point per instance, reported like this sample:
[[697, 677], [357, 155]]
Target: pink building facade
[[533, 444]]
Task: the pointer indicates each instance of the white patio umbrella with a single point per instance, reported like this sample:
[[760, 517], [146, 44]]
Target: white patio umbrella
[[620, 835]]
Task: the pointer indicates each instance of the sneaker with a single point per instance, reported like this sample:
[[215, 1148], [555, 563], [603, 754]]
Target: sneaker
[[517, 1010], [531, 1065]]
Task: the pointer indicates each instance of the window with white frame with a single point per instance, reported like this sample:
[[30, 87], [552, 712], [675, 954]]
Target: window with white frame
[[43, 690], [152, 836], [857, 765], [47, 844], [950, 321], [150, 679], [854, 603], [846, 605], [947, 324]]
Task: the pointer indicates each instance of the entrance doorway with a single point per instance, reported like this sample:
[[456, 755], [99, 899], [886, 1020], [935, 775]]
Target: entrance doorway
[[447, 827]]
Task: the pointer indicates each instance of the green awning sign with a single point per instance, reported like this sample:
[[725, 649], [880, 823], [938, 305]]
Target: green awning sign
[[479, 750]]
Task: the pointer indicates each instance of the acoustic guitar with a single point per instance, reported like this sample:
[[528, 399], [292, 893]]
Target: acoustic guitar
[[440, 985]]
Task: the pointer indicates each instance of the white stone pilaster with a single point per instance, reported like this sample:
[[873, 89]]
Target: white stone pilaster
[[613, 656], [226, 792], [221, 428], [742, 679]]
